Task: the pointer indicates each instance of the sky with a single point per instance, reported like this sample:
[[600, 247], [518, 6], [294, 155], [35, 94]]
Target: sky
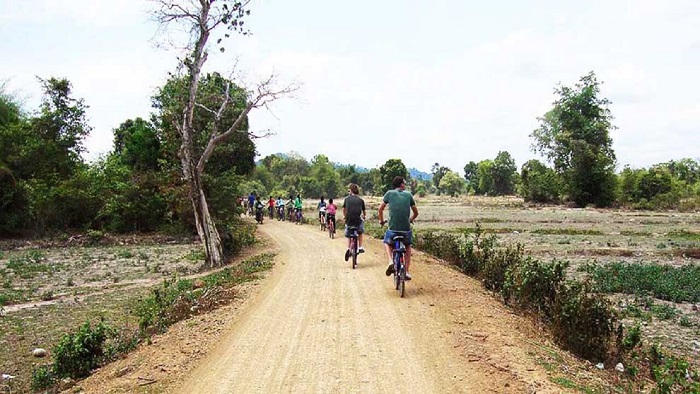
[[447, 81]]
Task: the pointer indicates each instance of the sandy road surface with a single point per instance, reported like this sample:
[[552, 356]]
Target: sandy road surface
[[319, 326]]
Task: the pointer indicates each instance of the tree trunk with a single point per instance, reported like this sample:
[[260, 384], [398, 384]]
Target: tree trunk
[[206, 228]]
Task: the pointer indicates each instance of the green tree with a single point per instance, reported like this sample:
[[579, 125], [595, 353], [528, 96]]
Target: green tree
[[327, 177], [538, 182], [574, 136], [452, 184], [471, 175], [484, 173], [504, 173], [388, 171], [202, 19], [136, 142], [438, 172]]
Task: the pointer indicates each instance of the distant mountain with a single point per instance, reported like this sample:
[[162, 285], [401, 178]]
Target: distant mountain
[[419, 175]]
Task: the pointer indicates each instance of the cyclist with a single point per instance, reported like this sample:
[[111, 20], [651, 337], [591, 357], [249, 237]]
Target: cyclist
[[259, 206], [322, 211], [280, 208], [297, 205], [401, 203], [251, 202], [354, 215], [331, 209], [271, 207], [290, 208]]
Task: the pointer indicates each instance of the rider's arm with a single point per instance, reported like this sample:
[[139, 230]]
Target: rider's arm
[[415, 213], [381, 212], [345, 212]]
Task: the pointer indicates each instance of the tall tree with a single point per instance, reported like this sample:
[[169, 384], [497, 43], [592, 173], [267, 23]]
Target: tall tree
[[202, 19], [452, 184], [539, 183], [438, 172], [389, 170], [504, 173], [575, 137], [471, 175], [136, 143]]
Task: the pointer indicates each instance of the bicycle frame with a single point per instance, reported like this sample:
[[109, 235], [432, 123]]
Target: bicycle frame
[[399, 250]]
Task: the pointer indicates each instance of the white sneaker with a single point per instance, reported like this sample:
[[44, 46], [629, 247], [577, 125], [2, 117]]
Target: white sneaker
[[361, 249]]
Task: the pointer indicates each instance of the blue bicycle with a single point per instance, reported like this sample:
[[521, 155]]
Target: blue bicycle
[[398, 251], [352, 231]]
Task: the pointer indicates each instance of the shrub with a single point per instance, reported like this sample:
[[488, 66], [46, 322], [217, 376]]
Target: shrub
[[582, 321], [476, 251], [497, 269], [440, 244], [79, 353], [42, 378], [533, 285]]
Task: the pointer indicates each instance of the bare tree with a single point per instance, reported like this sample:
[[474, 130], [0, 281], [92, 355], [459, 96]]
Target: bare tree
[[202, 18]]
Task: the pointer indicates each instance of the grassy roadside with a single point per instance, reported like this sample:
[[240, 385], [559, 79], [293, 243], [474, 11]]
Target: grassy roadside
[[129, 298]]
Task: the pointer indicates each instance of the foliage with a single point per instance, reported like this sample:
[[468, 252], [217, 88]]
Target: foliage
[[681, 284], [236, 152], [136, 143], [79, 353], [574, 136], [582, 321], [43, 378], [438, 171], [388, 171], [539, 183], [484, 173], [471, 175], [178, 299], [452, 184], [504, 174]]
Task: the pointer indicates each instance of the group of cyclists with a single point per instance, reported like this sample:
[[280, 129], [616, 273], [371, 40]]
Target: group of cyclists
[[401, 206], [253, 205]]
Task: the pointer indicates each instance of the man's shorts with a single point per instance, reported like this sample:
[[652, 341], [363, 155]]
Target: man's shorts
[[360, 229], [408, 236]]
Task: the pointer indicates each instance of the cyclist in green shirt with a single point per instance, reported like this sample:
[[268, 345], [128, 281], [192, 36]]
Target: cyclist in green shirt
[[401, 204]]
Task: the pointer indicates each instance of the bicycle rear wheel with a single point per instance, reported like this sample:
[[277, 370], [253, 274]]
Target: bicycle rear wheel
[[397, 265], [402, 282], [353, 246]]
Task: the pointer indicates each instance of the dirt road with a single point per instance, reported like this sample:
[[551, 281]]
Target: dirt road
[[319, 326]]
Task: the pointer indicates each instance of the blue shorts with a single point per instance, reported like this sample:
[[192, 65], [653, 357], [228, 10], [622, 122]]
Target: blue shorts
[[408, 236], [360, 229]]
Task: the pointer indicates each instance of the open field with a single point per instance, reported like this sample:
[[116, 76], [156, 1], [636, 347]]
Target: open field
[[583, 236]]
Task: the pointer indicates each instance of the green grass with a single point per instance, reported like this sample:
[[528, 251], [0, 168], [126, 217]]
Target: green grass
[[685, 235], [661, 281], [566, 231]]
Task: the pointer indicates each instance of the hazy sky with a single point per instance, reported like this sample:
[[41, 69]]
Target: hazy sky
[[446, 81]]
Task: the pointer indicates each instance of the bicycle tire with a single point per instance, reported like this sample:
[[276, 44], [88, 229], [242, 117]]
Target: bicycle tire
[[397, 269], [402, 280], [354, 252]]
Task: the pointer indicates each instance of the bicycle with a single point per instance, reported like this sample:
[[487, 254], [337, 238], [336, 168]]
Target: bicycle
[[352, 230], [331, 227], [271, 211], [398, 251], [322, 220], [259, 215], [280, 213]]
